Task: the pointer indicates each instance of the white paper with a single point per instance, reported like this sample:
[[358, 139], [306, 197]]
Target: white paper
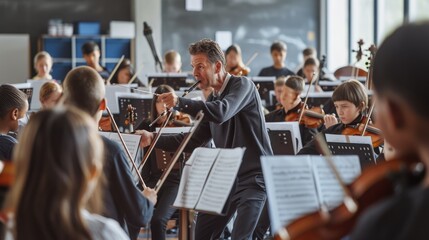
[[194, 176], [290, 188], [207, 179], [328, 188], [220, 181], [131, 140], [224, 39], [194, 5], [298, 185]]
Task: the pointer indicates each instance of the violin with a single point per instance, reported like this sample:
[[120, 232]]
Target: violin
[[179, 120], [239, 71], [130, 118], [7, 173], [376, 183], [373, 132], [312, 118]]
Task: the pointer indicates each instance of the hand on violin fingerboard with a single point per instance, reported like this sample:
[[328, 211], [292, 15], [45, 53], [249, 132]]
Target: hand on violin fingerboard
[[330, 119], [146, 139]]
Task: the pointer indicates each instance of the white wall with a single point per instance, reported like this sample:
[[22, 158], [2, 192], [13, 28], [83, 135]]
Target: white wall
[[14, 58], [150, 12]]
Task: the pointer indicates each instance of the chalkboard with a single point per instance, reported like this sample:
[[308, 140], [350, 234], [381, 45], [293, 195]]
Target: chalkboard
[[32, 16], [254, 24]]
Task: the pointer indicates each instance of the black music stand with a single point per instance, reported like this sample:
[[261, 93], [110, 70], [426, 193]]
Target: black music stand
[[142, 105], [285, 137], [320, 99], [174, 80], [266, 84], [352, 145]]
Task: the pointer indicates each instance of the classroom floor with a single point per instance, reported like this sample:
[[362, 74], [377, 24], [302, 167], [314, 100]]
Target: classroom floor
[[171, 234]]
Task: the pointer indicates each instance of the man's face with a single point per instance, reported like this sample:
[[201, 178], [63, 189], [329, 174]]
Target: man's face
[[203, 70]]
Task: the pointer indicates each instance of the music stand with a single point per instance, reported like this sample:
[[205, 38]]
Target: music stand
[[285, 137], [27, 89], [317, 99], [111, 97], [35, 101], [142, 104], [163, 158], [174, 80], [266, 84], [329, 86], [352, 145]]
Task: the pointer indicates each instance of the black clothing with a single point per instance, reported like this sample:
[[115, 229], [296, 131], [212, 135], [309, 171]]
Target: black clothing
[[233, 119], [123, 201], [105, 74], [7, 144], [272, 71], [311, 149], [403, 216], [280, 115], [151, 173]]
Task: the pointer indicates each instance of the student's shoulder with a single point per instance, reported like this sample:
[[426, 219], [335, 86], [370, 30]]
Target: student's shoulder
[[110, 146], [104, 228]]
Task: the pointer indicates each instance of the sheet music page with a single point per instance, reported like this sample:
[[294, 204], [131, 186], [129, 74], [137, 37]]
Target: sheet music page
[[290, 188], [328, 188], [220, 181], [348, 139], [131, 140], [194, 176]]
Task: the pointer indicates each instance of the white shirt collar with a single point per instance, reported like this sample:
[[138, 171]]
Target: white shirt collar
[[217, 94]]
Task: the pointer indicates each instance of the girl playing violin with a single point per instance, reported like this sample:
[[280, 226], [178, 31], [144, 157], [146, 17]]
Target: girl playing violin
[[400, 83], [350, 100], [234, 61], [290, 100], [152, 170], [58, 164]]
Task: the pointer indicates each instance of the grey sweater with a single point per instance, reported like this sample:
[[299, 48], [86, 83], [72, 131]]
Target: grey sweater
[[233, 119]]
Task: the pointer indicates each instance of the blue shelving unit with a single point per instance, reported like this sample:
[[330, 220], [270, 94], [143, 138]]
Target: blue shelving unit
[[67, 53]]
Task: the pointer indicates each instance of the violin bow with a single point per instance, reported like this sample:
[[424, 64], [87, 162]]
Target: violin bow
[[349, 202], [306, 96], [179, 151], [251, 59], [114, 70], [130, 158], [135, 75], [369, 118], [156, 138]]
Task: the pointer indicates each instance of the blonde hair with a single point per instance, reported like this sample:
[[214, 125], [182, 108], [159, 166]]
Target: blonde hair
[[171, 57], [48, 89], [41, 55], [58, 154]]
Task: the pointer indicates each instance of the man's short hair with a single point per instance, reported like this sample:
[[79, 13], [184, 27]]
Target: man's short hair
[[89, 47], [278, 46], [210, 48]]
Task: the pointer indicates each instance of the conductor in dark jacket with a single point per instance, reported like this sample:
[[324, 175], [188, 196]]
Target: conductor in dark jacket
[[233, 117]]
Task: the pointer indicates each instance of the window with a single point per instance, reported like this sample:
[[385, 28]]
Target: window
[[337, 37], [390, 16]]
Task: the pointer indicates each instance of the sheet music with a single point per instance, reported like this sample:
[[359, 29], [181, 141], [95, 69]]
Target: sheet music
[[220, 181], [194, 177], [328, 188], [131, 140], [290, 188], [339, 138]]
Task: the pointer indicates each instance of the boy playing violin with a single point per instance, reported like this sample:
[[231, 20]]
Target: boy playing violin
[[350, 100], [290, 100], [401, 83]]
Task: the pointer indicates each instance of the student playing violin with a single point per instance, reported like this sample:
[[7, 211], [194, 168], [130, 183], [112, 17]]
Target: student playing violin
[[152, 170], [400, 83], [234, 61], [291, 106], [350, 100]]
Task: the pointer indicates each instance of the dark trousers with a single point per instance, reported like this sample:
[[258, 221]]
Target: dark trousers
[[263, 224], [247, 199], [163, 210]]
